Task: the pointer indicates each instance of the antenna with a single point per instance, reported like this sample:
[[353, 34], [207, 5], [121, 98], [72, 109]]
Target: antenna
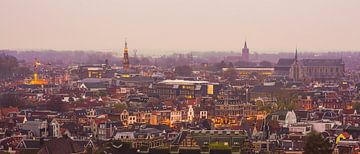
[[135, 53]]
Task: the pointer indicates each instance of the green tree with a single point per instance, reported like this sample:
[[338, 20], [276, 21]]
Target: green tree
[[285, 101], [268, 107], [316, 144], [119, 107]]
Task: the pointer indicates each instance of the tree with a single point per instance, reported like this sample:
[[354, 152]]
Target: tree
[[7, 65], [10, 100], [183, 70], [218, 66], [285, 101], [265, 107], [56, 104], [119, 107], [316, 144], [230, 74], [247, 147], [356, 106]]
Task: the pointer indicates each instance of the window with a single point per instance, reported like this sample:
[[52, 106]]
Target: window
[[327, 126]]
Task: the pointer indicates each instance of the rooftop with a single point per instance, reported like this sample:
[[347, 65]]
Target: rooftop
[[182, 82]]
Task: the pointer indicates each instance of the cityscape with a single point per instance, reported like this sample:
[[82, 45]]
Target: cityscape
[[132, 100]]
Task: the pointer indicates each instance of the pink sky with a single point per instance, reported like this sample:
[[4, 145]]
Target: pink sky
[[180, 25]]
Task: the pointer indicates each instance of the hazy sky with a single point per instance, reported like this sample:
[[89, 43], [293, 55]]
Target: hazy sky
[[180, 25]]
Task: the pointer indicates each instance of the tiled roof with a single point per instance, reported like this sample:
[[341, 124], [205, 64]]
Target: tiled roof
[[322, 62]]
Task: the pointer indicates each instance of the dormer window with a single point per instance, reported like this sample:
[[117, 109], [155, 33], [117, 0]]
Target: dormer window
[[275, 117]]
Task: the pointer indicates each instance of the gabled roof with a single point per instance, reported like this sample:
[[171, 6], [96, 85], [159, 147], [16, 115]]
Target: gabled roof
[[180, 137], [60, 146], [285, 62]]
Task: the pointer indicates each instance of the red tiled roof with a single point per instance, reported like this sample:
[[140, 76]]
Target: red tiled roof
[[6, 111]]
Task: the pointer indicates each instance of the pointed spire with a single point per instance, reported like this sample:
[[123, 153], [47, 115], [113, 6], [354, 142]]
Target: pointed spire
[[125, 43], [296, 54], [245, 46]]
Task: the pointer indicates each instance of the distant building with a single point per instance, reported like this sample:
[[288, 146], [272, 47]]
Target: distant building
[[246, 71], [310, 69], [183, 88], [95, 71], [295, 72], [201, 141], [126, 63], [245, 53]]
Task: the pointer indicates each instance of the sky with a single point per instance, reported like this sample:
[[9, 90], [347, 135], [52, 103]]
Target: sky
[[154, 26]]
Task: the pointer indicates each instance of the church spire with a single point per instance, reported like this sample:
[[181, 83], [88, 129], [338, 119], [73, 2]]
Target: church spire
[[126, 57], [125, 43], [245, 53]]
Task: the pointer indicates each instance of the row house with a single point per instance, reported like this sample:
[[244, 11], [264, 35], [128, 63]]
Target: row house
[[103, 128], [350, 117], [144, 139], [156, 117], [36, 128]]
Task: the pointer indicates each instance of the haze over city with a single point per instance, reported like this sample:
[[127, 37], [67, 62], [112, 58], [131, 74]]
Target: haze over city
[[179, 77], [179, 26]]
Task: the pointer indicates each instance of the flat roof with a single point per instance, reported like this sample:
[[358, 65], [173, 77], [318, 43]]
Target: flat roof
[[183, 82], [252, 69]]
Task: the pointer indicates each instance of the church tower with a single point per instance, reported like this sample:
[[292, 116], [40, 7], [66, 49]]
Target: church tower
[[245, 53], [295, 71], [126, 63]]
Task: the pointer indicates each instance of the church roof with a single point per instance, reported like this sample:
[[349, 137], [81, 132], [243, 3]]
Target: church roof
[[285, 62], [322, 62]]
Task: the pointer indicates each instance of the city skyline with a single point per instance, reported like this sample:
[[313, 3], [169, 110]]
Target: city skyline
[[179, 77], [179, 26]]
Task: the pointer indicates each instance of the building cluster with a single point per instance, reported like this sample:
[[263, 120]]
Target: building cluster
[[147, 109]]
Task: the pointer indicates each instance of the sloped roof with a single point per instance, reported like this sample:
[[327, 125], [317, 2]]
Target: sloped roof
[[180, 137], [60, 146], [95, 85], [322, 62], [285, 62]]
